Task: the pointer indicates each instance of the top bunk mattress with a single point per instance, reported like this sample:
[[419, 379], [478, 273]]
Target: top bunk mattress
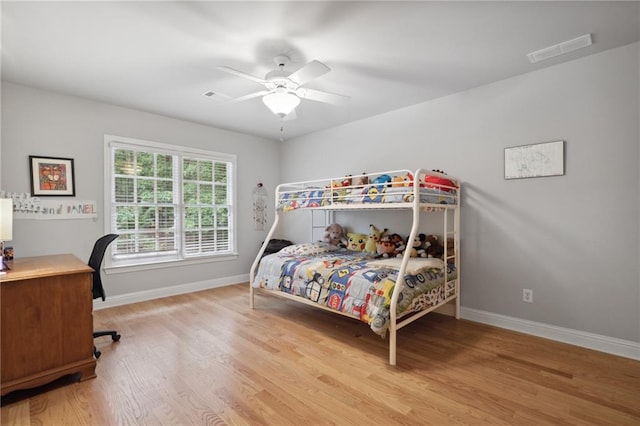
[[391, 188]]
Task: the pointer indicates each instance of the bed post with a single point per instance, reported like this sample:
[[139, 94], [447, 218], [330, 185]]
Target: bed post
[[392, 340], [397, 289], [456, 228]]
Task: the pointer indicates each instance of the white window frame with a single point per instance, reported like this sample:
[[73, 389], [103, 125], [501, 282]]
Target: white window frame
[[174, 259]]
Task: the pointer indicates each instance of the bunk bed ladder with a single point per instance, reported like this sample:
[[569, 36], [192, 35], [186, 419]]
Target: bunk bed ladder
[[455, 234], [456, 247]]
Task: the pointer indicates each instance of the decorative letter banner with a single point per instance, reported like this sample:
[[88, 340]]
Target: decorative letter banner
[[28, 207]]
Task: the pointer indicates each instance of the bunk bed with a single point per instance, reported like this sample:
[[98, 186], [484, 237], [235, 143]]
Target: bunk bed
[[388, 293]]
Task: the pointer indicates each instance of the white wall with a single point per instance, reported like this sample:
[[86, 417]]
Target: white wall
[[572, 239], [37, 122]]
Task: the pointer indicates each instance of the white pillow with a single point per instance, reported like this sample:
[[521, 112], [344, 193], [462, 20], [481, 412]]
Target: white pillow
[[415, 264], [308, 249]]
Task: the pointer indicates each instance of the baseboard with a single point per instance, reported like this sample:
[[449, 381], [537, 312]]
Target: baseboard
[[143, 296], [624, 348]]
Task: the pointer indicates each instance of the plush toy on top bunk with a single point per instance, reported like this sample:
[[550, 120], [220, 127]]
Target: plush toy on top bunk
[[375, 192], [441, 183], [361, 181], [338, 190], [401, 189], [400, 181]]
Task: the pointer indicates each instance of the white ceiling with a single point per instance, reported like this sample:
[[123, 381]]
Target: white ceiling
[[161, 56]]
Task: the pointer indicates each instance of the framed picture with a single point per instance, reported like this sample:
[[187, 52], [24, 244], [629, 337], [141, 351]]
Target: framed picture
[[535, 160], [52, 176]]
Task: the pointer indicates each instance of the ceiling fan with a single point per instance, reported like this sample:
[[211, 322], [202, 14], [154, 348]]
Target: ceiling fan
[[283, 89]]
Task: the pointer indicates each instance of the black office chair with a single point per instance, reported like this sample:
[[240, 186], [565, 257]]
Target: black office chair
[[95, 261]]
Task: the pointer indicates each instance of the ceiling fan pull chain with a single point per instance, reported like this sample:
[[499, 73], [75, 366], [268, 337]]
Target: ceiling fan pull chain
[[281, 130]]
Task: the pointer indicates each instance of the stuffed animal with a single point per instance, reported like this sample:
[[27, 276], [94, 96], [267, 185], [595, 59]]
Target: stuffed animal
[[346, 181], [382, 181], [361, 180], [438, 182], [386, 247], [356, 241], [451, 249], [398, 243], [400, 181], [415, 247], [373, 239], [334, 235], [340, 189], [433, 247]]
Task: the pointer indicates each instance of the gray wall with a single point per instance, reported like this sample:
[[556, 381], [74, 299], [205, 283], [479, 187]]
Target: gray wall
[[36, 122], [572, 239]]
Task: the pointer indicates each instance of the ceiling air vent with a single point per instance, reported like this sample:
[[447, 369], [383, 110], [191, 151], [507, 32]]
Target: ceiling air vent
[[560, 49]]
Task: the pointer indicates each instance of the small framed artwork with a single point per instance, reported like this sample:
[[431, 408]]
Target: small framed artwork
[[52, 176], [535, 160]]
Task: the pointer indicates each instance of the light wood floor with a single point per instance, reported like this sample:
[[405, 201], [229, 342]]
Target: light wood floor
[[206, 359]]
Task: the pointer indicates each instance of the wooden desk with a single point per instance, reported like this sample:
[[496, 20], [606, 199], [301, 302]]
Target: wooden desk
[[46, 321]]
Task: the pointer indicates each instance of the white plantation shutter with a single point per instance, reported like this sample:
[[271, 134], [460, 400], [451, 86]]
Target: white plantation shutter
[[169, 203], [143, 202], [207, 206]]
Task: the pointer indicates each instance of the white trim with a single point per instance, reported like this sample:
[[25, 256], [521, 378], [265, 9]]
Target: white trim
[[179, 258], [170, 263], [143, 296], [166, 148], [611, 345]]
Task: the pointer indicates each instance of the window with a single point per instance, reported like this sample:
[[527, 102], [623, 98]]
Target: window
[[168, 202]]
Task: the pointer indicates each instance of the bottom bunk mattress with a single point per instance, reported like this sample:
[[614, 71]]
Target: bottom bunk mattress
[[354, 283]]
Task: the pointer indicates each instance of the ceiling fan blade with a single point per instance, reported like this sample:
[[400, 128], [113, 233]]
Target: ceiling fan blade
[[250, 96], [313, 69], [242, 74], [320, 96]]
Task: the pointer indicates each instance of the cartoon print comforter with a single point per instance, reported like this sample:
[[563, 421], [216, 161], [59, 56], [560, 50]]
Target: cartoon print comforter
[[371, 194], [355, 284]]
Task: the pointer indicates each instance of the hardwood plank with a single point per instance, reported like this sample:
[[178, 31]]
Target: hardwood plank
[[16, 414], [206, 358]]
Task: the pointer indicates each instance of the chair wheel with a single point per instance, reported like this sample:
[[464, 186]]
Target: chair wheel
[[116, 337]]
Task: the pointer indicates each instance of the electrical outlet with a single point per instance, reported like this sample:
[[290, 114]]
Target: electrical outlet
[[527, 295]]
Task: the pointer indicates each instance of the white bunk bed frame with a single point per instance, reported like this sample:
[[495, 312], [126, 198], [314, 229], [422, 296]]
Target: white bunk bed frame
[[418, 208]]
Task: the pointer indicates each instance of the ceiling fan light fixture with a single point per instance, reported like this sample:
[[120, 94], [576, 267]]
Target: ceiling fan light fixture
[[281, 102]]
